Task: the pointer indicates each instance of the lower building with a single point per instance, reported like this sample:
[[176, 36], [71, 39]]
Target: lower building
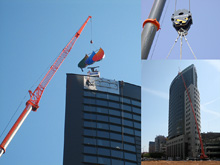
[[102, 121], [160, 143], [211, 142], [151, 147]]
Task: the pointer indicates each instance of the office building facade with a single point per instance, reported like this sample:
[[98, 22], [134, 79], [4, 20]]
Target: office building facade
[[102, 121], [183, 139]]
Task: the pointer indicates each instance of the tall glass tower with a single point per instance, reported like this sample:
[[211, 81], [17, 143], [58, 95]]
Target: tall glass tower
[[102, 121], [183, 139]]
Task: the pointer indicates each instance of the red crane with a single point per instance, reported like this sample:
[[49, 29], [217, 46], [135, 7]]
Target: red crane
[[203, 155], [32, 103]]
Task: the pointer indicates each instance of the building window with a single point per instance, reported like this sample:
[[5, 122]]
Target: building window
[[89, 141], [118, 154], [103, 151], [116, 145], [129, 147], [89, 116], [89, 124], [128, 123], [114, 105], [128, 139], [101, 142], [103, 126], [102, 110], [102, 160], [118, 162], [115, 120], [136, 110], [136, 117], [130, 156], [101, 102], [101, 95], [137, 133], [115, 128], [128, 131], [137, 103], [103, 134], [116, 136], [126, 107], [114, 112], [89, 150], [90, 159], [113, 97], [102, 118], [137, 125], [127, 115], [89, 132], [89, 108]]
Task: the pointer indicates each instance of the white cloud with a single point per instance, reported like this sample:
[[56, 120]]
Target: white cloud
[[210, 102], [156, 93], [215, 64]]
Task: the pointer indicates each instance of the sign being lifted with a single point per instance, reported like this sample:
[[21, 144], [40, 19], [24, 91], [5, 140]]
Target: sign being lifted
[[101, 84]]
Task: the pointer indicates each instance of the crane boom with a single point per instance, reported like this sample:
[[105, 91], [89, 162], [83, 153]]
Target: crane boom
[[32, 103], [203, 155]]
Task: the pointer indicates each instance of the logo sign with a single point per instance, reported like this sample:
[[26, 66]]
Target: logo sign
[[101, 84]]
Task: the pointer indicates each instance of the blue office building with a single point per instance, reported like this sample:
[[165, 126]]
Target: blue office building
[[102, 121]]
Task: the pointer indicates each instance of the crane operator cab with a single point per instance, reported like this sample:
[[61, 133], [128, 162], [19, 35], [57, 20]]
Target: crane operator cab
[[182, 20]]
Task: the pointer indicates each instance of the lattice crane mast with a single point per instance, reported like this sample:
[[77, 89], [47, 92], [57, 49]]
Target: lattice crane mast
[[32, 103]]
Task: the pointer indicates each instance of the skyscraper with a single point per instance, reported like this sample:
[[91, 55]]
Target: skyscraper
[[183, 139], [102, 121]]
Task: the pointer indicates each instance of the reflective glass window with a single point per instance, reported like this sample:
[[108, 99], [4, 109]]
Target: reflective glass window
[[125, 100], [102, 110], [137, 133], [127, 115], [128, 123], [114, 112], [115, 120], [115, 136], [116, 145], [89, 141], [130, 156], [102, 102], [104, 151], [136, 110], [89, 116], [102, 118], [128, 131], [89, 150], [101, 95], [89, 124], [89, 108], [115, 128], [137, 125], [90, 159], [113, 97], [137, 117], [137, 103], [126, 107], [89, 132], [88, 101], [103, 134], [129, 163], [128, 139], [102, 160], [89, 93], [118, 154], [114, 105], [102, 126], [129, 147], [101, 142]]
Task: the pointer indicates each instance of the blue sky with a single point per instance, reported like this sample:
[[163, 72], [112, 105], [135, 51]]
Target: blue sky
[[203, 35], [33, 33], [157, 76]]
